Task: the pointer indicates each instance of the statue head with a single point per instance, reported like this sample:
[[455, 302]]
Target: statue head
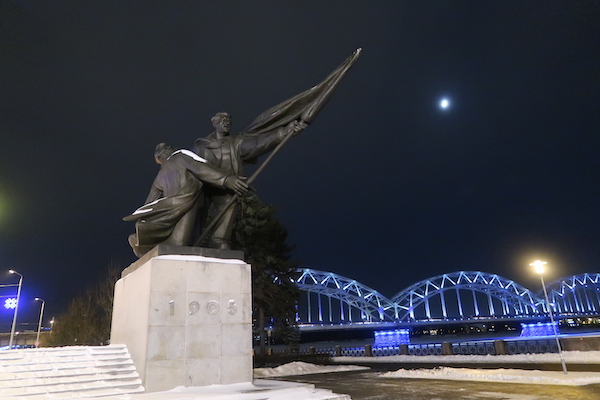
[[222, 122], [162, 152]]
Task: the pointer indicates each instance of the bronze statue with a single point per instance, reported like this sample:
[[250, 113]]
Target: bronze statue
[[170, 212], [179, 200], [228, 153]]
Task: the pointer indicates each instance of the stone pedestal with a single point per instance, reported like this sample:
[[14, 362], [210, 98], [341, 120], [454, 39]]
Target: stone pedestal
[[186, 320]]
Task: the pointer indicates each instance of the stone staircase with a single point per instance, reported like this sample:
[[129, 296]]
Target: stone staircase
[[67, 373]]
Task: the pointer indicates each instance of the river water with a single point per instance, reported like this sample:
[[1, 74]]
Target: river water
[[369, 385]]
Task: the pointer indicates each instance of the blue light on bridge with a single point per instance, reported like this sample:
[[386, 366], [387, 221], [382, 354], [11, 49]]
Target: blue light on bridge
[[538, 329], [391, 338], [10, 303]]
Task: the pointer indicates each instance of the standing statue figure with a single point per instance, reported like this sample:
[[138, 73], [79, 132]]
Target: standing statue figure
[[229, 153], [170, 213]]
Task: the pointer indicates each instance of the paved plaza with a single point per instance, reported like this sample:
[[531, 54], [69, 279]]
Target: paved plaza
[[370, 385]]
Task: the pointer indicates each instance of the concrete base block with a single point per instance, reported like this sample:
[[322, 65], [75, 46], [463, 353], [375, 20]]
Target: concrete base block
[[186, 320]]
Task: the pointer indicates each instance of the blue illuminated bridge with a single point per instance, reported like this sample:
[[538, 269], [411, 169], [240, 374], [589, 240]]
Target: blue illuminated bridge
[[331, 299]]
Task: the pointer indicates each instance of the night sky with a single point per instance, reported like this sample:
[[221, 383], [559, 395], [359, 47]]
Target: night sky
[[385, 187]]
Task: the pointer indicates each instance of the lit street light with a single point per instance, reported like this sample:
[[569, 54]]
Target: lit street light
[[37, 340], [14, 323], [538, 265]]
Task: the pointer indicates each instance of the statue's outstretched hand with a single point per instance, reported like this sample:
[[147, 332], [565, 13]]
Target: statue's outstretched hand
[[295, 127], [237, 184]]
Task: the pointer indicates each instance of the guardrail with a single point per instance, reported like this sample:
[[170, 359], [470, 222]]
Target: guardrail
[[495, 347]]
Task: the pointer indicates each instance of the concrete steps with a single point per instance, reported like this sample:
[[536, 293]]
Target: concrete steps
[[68, 372]]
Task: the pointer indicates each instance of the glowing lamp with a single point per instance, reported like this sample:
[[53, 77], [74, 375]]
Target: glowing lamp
[[539, 266]]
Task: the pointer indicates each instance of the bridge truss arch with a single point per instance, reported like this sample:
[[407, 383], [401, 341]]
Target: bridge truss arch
[[346, 300], [575, 295], [465, 295]]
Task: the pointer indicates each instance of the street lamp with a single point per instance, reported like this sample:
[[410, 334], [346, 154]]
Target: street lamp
[[539, 267], [37, 340], [14, 323]]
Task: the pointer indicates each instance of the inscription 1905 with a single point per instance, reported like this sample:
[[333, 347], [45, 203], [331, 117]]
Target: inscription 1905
[[212, 307]]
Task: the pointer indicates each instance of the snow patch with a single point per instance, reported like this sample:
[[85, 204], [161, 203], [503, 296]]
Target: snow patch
[[499, 375], [302, 368], [199, 258]]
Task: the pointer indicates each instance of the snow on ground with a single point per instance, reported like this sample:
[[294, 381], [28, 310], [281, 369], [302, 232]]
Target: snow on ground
[[302, 368], [467, 374], [264, 389], [257, 390], [499, 375]]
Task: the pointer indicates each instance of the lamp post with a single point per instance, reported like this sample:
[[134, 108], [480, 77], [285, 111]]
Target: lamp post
[[14, 323], [538, 265], [37, 340]]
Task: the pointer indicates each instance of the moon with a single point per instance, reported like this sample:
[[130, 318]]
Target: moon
[[444, 103]]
